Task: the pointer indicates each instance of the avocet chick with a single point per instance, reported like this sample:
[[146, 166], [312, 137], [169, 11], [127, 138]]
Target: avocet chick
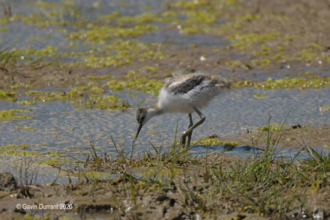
[[184, 94]]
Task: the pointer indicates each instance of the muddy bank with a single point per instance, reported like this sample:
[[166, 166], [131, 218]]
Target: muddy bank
[[173, 185], [293, 138]]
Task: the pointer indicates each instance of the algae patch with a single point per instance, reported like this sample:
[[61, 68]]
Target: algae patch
[[14, 146], [259, 96], [12, 114], [214, 142], [10, 96], [25, 127], [286, 83], [273, 127], [324, 108]]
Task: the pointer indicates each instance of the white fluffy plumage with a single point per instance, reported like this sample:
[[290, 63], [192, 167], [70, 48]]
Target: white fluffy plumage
[[184, 94]]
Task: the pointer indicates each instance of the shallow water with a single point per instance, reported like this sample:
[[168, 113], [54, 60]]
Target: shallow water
[[20, 33], [58, 126]]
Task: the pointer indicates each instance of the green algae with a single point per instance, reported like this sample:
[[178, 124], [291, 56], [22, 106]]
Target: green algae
[[97, 90], [161, 172], [261, 63], [10, 96], [238, 63], [150, 68], [11, 114], [41, 22], [138, 19], [264, 51], [93, 84], [25, 127], [118, 53], [242, 41], [25, 152], [26, 102], [259, 96], [15, 87], [53, 154], [101, 77], [93, 174], [93, 96], [214, 142], [97, 4], [110, 17], [42, 96], [272, 127], [2, 29], [55, 163], [20, 153], [324, 108], [101, 102], [136, 81], [48, 51], [100, 34], [192, 5], [286, 83], [13, 146], [79, 88], [189, 17], [309, 73]]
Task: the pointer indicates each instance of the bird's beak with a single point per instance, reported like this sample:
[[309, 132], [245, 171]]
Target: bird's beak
[[138, 131]]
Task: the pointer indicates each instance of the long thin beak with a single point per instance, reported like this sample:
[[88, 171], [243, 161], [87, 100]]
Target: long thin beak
[[138, 131]]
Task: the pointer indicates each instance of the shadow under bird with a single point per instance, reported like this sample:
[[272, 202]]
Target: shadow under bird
[[184, 94]]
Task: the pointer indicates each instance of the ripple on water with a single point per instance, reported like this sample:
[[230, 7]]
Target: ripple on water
[[59, 125]]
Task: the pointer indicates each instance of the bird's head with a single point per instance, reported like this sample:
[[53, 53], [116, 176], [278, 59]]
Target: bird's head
[[143, 115]]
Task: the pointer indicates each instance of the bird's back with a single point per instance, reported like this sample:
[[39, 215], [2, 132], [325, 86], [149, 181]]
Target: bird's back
[[180, 93]]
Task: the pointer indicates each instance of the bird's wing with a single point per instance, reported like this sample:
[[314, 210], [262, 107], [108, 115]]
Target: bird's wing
[[185, 84]]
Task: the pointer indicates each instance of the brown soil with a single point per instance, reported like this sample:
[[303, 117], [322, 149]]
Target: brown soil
[[294, 137], [113, 199]]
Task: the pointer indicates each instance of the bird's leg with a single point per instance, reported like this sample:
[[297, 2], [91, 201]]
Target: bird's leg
[[189, 131], [183, 137], [190, 134]]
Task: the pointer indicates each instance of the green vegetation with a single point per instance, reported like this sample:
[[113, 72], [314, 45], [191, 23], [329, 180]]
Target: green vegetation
[[259, 96], [11, 114], [213, 142], [273, 127], [95, 95], [136, 81], [101, 77], [286, 83], [20, 153], [25, 127], [325, 108], [10, 96], [13, 146]]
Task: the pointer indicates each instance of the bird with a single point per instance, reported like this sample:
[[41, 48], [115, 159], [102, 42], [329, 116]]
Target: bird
[[184, 94]]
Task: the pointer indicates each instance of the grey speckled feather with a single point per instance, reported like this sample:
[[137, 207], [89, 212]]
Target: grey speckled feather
[[184, 84], [184, 94]]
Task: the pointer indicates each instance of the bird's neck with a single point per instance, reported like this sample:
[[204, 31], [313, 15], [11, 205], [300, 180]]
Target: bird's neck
[[155, 110]]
